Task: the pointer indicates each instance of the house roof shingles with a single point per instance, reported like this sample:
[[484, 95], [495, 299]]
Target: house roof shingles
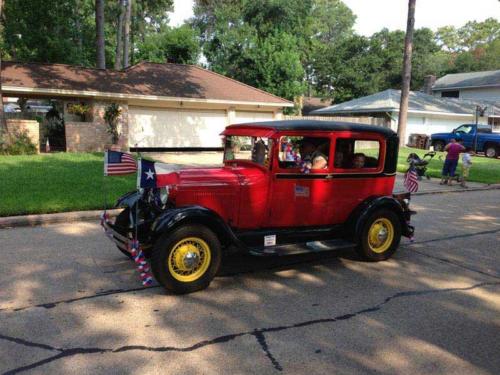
[[464, 80], [388, 101], [145, 78]]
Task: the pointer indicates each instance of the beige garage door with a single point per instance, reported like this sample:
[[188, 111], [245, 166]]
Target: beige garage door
[[153, 127], [244, 116]]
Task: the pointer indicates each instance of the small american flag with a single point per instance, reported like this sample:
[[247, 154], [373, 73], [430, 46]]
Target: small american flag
[[411, 180], [118, 163]]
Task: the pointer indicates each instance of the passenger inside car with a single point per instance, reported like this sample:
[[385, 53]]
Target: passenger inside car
[[358, 160]]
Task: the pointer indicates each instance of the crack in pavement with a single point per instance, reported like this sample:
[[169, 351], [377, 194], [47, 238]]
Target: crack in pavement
[[257, 333], [466, 235], [49, 305]]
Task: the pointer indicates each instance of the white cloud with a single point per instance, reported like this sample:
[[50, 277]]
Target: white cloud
[[183, 9], [373, 15]]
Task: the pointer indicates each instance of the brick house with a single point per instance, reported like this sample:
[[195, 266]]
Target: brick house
[[163, 106]]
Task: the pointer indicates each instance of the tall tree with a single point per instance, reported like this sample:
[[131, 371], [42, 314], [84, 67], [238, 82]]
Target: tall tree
[[177, 45], [406, 75], [126, 34], [99, 22]]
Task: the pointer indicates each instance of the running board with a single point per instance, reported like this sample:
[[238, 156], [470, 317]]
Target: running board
[[302, 248]]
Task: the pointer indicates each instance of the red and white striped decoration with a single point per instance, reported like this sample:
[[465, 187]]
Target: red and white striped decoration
[[411, 180]]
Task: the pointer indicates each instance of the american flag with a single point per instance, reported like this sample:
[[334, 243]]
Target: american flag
[[411, 180], [118, 163]]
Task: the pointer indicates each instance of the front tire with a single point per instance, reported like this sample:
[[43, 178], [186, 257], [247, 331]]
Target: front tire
[[187, 259], [122, 225], [380, 236]]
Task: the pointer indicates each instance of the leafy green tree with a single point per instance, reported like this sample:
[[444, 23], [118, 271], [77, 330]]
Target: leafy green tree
[[50, 31], [177, 45]]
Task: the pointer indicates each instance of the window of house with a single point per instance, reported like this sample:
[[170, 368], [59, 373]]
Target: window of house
[[295, 152], [450, 94], [356, 153]]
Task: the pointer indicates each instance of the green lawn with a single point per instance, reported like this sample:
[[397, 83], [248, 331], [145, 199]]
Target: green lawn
[[483, 169], [57, 182], [68, 182]]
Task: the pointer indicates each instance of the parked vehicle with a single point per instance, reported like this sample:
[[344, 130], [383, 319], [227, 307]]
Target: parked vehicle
[[262, 203], [480, 138]]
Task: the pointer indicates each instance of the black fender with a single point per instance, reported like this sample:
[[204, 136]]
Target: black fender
[[129, 199], [174, 217], [363, 211]]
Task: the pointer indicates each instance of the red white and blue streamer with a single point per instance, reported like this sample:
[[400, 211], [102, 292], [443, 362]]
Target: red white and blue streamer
[[140, 261]]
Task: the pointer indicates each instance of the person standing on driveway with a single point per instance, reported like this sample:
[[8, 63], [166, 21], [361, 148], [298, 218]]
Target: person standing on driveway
[[453, 150]]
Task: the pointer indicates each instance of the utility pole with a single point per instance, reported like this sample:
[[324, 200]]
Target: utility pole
[[3, 125], [405, 90]]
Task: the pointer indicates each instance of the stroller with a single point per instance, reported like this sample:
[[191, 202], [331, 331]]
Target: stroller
[[420, 164]]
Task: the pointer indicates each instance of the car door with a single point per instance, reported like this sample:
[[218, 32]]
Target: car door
[[352, 184], [466, 133], [298, 198]]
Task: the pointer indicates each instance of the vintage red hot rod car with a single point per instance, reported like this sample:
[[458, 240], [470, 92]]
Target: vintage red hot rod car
[[285, 187]]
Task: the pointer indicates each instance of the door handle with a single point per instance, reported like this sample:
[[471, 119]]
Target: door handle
[[329, 176]]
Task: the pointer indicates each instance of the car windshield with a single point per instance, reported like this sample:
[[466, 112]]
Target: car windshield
[[466, 129], [255, 149]]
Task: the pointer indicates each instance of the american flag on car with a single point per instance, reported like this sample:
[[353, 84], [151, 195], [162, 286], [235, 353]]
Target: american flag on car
[[118, 163], [411, 180]]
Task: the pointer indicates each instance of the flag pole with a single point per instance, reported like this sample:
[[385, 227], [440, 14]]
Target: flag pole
[[104, 181]]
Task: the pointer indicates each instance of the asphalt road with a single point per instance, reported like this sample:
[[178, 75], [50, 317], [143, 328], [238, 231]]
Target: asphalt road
[[69, 302]]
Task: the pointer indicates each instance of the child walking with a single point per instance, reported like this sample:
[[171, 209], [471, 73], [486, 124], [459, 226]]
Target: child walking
[[466, 164]]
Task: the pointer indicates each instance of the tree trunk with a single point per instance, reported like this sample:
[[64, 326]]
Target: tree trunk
[[3, 125], [99, 26], [119, 37], [126, 35], [405, 90]]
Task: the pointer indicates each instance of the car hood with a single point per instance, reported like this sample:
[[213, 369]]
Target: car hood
[[440, 135], [199, 177]]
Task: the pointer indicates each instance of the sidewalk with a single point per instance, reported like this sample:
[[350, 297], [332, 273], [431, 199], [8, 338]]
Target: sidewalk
[[432, 186]]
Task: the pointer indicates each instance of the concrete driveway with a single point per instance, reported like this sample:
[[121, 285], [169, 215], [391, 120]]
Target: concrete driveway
[[69, 302]]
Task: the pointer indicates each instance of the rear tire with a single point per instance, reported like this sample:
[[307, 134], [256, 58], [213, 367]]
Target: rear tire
[[380, 236], [438, 146], [491, 151], [187, 259]]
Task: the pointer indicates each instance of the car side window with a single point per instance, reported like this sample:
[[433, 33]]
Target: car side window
[[356, 153], [304, 152]]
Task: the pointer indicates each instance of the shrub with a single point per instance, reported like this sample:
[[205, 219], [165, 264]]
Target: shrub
[[18, 144], [111, 115], [80, 109]]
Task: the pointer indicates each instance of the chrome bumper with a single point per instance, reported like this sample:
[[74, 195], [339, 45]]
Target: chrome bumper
[[121, 241]]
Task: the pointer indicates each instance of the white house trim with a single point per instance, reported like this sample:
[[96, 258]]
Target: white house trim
[[113, 95]]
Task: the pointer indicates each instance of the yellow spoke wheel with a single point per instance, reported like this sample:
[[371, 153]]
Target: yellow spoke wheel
[[189, 259], [380, 235]]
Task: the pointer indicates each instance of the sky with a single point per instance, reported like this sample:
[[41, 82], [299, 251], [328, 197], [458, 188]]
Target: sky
[[373, 15]]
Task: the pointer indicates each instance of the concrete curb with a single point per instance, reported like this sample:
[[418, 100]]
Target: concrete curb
[[62, 217], [458, 189], [67, 217]]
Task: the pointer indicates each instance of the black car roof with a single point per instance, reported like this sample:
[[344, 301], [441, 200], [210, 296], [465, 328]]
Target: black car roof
[[316, 125]]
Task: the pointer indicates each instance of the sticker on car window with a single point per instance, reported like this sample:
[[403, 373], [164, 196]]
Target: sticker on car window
[[302, 191], [270, 240]]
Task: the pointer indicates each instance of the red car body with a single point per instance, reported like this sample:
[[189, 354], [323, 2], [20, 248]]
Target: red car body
[[267, 200]]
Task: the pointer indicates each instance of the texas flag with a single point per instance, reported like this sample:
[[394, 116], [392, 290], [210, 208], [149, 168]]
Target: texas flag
[[154, 175]]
